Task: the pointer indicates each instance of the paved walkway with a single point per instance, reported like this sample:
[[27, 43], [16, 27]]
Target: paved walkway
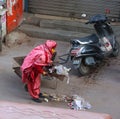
[[28, 111]]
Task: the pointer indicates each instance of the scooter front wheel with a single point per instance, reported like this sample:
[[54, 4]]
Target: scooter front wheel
[[83, 68]]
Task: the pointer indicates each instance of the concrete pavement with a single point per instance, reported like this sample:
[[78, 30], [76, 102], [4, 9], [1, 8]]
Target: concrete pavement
[[102, 93], [10, 110]]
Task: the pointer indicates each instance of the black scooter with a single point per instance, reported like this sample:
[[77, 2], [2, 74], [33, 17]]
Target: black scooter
[[87, 52]]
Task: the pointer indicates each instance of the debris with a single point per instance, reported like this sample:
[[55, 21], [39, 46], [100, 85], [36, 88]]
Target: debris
[[79, 103], [46, 100], [64, 71], [51, 97], [16, 38], [74, 102]]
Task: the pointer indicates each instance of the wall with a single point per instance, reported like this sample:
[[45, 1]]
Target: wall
[[14, 14], [75, 8]]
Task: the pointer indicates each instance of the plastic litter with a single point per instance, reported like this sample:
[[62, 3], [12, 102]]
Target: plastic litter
[[62, 70], [46, 100], [79, 103]]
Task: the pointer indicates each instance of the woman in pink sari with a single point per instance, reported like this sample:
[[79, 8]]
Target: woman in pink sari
[[32, 67]]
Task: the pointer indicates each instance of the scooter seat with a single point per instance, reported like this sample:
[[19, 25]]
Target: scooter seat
[[91, 39]]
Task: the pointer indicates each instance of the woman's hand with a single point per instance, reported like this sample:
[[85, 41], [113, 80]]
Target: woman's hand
[[44, 73]]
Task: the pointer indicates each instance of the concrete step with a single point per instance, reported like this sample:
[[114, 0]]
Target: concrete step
[[58, 23], [60, 28], [116, 29], [67, 25], [46, 33], [76, 26]]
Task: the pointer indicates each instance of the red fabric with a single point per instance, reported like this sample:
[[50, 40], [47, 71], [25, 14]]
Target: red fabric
[[34, 83], [32, 66]]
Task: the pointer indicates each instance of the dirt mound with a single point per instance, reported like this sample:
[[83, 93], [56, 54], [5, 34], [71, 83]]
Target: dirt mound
[[16, 38]]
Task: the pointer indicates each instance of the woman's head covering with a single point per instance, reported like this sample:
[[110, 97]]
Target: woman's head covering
[[51, 44]]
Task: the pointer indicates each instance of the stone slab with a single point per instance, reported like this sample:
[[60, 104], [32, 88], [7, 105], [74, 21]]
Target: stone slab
[[11, 110]]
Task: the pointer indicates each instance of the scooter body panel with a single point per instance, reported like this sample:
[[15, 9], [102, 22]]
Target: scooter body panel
[[105, 30], [88, 53], [89, 50]]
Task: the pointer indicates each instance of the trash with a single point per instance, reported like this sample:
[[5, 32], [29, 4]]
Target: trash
[[79, 103], [67, 99], [46, 100], [51, 97], [74, 102], [54, 97], [62, 70]]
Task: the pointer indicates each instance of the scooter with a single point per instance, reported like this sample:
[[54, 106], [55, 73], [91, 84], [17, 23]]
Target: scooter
[[89, 51]]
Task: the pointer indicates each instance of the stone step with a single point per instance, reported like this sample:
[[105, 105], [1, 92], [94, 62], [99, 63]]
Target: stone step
[[45, 26], [55, 34], [116, 29], [70, 25], [58, 23]]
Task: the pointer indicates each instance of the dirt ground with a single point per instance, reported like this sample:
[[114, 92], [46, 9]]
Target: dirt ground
[[100, 89]]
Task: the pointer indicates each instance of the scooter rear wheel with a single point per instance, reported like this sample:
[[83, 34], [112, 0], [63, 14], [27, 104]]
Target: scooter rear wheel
[[83, 69]]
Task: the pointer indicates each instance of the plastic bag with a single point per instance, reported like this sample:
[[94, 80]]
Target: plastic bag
[[62, 70], [79, 103]]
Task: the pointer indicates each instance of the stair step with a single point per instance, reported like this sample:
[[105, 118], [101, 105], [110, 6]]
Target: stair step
[[116, 30], [67, 25], [46, 33], [61, 25], [58, 23]]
